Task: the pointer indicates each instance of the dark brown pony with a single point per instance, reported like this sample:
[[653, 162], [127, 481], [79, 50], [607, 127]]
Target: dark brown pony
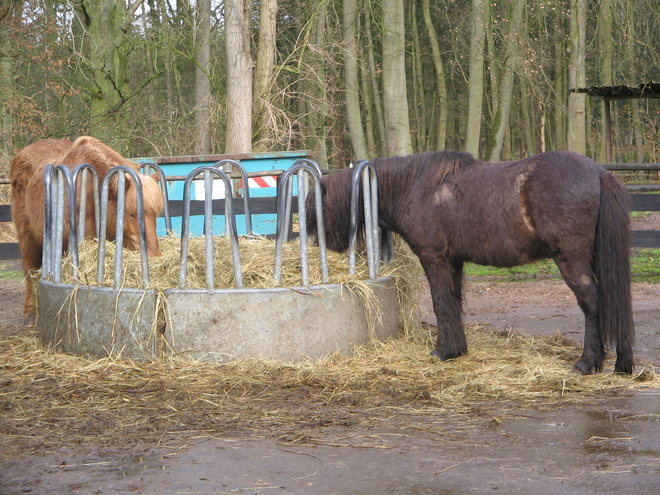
[[27, 199], [451, 208]]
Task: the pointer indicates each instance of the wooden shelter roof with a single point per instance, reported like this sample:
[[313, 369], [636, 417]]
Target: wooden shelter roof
[[623, 92]]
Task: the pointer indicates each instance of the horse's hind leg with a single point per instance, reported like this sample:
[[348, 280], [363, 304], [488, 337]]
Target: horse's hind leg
[[445, 281], [580, 278]]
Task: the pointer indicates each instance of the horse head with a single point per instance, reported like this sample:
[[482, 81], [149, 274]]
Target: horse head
[[90, 150], [153, 206], [335, 189]]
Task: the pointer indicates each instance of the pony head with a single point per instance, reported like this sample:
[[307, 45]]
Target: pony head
[[90, 150], [335, 189], [153, 206]]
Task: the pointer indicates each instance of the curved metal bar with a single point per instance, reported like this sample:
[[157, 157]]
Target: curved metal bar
[[302, 185], [47, 254], [230, 226], [162, 182], [58, 181], [284, 200], [84, 170], [121, 172], [246, 188], [365, 174]]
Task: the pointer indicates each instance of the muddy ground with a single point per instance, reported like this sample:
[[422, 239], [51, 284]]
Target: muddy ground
[[609, 445]]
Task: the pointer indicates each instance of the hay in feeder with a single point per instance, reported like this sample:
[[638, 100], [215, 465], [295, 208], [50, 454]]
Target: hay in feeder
[[257, 260], [52, 400]]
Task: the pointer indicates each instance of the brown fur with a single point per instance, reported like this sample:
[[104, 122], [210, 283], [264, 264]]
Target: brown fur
[[27, 198]]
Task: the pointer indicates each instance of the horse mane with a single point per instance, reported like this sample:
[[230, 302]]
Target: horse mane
[[437, 165], [102, 157], [151, 192]]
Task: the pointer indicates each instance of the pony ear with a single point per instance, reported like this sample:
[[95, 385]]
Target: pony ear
[[155, 176]]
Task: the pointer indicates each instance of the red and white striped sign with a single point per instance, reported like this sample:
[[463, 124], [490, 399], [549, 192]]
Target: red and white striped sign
[[268, 181]]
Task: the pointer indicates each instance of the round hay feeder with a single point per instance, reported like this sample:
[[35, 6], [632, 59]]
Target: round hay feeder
[[290, 323]]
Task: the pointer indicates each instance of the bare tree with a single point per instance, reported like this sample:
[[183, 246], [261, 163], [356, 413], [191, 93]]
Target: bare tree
[[511, 60], [476, 83], [576, 133], [239, 78], [263, 73], [353, 114], [441, 86], [395, 100], [202, 81]]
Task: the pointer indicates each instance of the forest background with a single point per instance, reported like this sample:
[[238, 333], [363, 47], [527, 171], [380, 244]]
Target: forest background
[[345, 79]]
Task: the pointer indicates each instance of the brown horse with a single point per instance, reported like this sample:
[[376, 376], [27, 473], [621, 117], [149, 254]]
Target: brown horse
[[27, 199], [451, 209]]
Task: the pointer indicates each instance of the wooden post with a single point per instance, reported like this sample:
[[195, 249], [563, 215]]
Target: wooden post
[[608, 130]]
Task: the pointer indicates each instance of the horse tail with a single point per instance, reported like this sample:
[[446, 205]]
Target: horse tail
[[612, 270]]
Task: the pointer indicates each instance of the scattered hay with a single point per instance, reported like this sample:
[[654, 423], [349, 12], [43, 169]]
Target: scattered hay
[[50, 400]]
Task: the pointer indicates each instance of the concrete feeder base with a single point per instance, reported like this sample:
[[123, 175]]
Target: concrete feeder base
[[289, 324]]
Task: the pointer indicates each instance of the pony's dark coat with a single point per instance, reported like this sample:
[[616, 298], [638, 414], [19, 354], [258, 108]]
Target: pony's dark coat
[[451, 208]]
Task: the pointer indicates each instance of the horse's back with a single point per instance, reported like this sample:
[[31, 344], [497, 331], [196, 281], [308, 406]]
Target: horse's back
[[34, 157]]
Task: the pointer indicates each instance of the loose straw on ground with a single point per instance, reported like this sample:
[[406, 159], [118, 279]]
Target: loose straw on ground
[[50, 400]]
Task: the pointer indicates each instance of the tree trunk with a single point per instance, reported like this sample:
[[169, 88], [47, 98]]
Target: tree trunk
[[239, 79], [419, 109], [314, 86], [559, 85], [576, 135], [606, 56], [202, 82], [378, 104], [395, 100], [351, 83], [476, 83], [106, 24], [441, 86], [263, 73], [165, 33], [511, 59], [7, 86]]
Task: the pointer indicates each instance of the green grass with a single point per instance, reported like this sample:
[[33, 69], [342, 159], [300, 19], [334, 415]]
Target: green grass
[[9, 274], [644, 263]]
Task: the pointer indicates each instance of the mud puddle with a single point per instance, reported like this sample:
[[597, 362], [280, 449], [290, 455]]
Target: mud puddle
[[610, 446]]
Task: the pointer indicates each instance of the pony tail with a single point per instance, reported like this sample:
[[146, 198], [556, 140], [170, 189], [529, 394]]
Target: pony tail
[[612, 270]]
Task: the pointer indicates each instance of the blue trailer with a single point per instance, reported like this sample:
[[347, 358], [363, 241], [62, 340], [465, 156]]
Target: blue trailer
[[176, 168]]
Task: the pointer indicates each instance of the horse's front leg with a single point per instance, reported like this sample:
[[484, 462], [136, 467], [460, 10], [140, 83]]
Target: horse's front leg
[[445, 280]]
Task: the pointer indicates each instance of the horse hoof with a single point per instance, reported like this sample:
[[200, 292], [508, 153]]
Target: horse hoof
[[444, 356], [585, 369], [29, 321], [625, 369]]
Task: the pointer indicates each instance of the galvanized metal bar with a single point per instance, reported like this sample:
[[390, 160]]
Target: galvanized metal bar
[[302, 225], [146, 168], [364, 174], [230, 224], [47, 254], [82, 172], [185, 227], [119, 230], [228, 166], [121, 172], [208, 227], [284, 200]]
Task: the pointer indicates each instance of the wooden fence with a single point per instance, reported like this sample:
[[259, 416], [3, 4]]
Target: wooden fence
[[640, 202]]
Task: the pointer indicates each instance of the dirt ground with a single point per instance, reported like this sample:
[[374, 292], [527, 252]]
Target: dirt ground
[[601, 446]]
